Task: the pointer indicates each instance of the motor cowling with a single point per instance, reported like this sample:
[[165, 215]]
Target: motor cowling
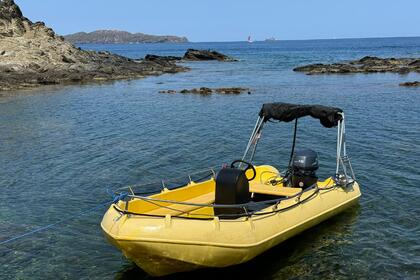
[[304, 167]]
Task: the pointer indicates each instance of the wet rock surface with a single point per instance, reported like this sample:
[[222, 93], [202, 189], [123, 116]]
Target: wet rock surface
[[208, 91], [411, 84], [367, 64], [31, 54]]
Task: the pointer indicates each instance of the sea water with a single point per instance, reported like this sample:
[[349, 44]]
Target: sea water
[[62, 147]]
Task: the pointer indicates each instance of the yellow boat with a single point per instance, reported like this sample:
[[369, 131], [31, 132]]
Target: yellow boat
[[237, 213]]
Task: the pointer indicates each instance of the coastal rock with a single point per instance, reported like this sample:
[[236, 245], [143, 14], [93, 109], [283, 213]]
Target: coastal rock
[[164, 61], [202, 55], [411, 84], [367, 64], [32, 54], [415, 63], [152, 57], [191, 55], [208, 91]]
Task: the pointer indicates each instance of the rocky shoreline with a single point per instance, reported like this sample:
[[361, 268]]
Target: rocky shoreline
[[367, 64], [32, 54]]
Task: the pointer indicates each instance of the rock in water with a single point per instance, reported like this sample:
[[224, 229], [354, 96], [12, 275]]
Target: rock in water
[[208, 91], [367, 64], [191, 55], [411, 84], [152, 57], [199, 55], [161, 60], [232, 90], [32, 54]]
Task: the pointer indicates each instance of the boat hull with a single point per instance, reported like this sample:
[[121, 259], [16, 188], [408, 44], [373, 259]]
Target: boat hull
[[166, 245]]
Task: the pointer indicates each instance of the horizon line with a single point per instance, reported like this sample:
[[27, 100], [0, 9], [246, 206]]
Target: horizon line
[[276, 40], [312, 39]]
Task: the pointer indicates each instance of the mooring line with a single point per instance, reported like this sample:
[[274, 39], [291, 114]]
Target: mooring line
[[43, 228]]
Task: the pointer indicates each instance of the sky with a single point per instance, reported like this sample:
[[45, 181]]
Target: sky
[[232, 20]]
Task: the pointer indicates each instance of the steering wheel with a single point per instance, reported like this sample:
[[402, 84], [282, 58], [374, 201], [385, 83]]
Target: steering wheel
[[248, 166]]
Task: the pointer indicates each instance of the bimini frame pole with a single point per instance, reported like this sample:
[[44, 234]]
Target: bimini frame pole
[[250, 138], [345, 158], [342, 158], [339, 135], [253, 140]]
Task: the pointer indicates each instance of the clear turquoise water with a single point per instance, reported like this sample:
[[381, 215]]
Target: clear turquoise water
[[61, 147]]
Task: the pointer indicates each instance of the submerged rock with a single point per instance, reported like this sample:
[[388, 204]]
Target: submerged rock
[[167, 91], [367, 64], [208, 91], [32, 54], [411, 84]]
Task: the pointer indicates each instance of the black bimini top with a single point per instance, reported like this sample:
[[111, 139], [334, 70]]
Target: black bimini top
[[285, 112]]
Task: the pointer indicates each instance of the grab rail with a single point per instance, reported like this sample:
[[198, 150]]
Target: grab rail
[[247, 213]]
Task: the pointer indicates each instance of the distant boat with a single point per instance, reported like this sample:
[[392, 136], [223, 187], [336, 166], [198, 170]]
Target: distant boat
[[271, 39], [250, 39]]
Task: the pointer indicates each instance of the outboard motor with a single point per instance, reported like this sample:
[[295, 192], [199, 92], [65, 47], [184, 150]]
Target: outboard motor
[[304, 166]]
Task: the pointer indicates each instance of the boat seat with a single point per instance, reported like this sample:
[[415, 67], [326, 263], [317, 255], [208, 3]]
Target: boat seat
[[232, 188], [179, 209], [273, 190]]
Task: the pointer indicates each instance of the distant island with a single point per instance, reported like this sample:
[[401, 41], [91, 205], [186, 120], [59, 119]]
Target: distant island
[[117, 36]]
